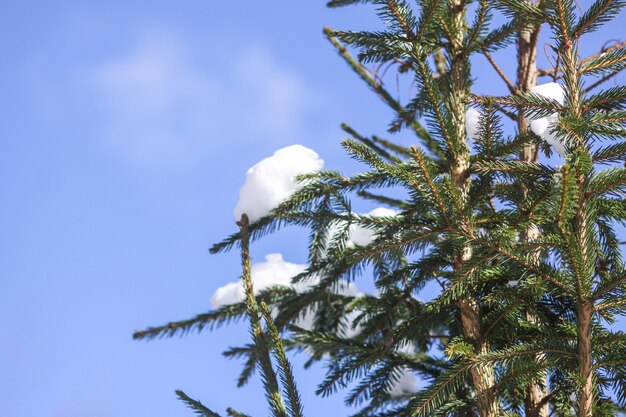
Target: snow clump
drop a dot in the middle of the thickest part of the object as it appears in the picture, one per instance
(404, 386)
(274, 271)
(362, 236)
(272, 180)
(544, 126)
(472, 122)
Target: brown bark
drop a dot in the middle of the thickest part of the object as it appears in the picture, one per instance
(584, 312)
(536, 401)
(527, 73)
(483, 377)
(584, 306)
(585, 400)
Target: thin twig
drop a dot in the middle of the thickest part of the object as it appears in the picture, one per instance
(501, 73)
(415, 125)
(585, 60)
(602, 80)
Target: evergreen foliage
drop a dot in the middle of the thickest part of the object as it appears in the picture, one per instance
(527, 256)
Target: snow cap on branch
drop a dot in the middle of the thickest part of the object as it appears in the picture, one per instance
(544, 126)
(362, 236)
(273, 271)
(472, 122)
(405, 386)
(272, 180)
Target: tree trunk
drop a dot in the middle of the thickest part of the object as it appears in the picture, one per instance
(483, 377)
(536, 393)
(585, 400)
(585, 309)
(584, 306)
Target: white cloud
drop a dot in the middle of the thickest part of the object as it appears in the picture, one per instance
(272, 180)
(159, 104)
(278, 98)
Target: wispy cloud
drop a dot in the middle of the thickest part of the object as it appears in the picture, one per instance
(160, 105)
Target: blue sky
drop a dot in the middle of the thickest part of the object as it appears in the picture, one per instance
(127, 128)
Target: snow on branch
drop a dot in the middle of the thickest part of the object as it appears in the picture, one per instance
(272, 180)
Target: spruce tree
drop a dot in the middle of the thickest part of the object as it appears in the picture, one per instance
(526, 254)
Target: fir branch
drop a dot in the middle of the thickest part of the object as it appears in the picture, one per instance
(294, 406)
(234, 413)
(431, 185)
(426, 403)
(576, 258)
(211, 320)
(563, 21)
(270, 383)
(377, 47)
(603, 80)
(522, 262)
(516, 167)
(564, 193)
(195, 405)
(607, 287)
(400, 12)
(256, 230)
(500, 37)
(611, 99)
(483, 16)
(249, 354)
(599, 13)
(431, 11)
(342, 3)
(380, 151)
(606, 63)
(516, 8)
(459, 287)
(583, 62)
(419, 130)
(373, 250)
(398, 149)
(535, 106)
(434, 100)
(609, 180)
(393, 202)
(610, 154)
